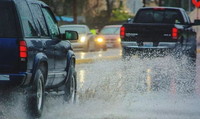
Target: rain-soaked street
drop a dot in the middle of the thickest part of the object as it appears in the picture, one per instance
(113, 89)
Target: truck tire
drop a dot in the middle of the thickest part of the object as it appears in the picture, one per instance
(35, 95)
(70, 87)
(192, 70)
(125, 54)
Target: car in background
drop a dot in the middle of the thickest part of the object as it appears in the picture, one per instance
(111, 35)
(86, 41)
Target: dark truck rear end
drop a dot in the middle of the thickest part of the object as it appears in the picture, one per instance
(154, 33)
(159, 30)
(8, 38)
(9, 44)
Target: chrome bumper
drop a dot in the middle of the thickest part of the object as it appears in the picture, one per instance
(161, 45)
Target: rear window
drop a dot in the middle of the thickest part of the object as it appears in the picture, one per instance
(7, 21)
(26, 19)
(159, 16)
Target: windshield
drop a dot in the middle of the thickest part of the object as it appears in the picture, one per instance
(110, 30)
(80, 30)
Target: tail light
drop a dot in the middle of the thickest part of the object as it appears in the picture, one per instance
(122, 32)
(22, 50)
(174, 33)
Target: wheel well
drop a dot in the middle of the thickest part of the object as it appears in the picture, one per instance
(182, 38)
(73, 59)
(43, 67)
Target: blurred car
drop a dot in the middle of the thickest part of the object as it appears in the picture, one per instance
(110, 34)
(100, 44)
(86, 41)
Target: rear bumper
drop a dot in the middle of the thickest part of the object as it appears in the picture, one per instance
(79, 46)
(161, 45)
(163, 49)
(21, 79)
(100, 44)
(113, 43)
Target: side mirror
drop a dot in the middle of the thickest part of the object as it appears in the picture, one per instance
(70, 35)
(197, 21)
(129, 20)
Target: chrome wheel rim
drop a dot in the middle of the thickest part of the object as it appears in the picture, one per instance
(39, 94)
(72, 89)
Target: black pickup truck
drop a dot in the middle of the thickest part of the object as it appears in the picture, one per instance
(159, 31)
(34, 55)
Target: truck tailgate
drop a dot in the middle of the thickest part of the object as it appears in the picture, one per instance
(141, 32)
(9, 55)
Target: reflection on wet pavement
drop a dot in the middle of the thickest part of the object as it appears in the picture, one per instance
(99, 54)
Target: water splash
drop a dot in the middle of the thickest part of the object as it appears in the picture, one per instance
(139, 88)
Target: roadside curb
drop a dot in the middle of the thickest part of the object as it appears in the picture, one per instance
(92, 60)
(198, 50)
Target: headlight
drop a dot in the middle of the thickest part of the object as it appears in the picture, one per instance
(82, 39)
(100, 40)
(119, 39)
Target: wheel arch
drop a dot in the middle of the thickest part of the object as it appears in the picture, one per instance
(70, 57)
(40, 62)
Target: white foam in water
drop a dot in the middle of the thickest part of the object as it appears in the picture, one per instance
(144, 89)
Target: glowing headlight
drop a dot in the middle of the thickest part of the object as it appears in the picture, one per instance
(119, 39)
(100, 40)
(82, 39)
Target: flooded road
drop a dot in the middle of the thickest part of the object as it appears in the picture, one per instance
(136, 89)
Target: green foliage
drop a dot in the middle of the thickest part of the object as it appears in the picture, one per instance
(119, 15)
(65, 7)
(178, 3)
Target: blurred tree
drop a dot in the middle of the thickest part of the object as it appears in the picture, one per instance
(103, 12)
(96, 15)
(97, 12)
(60, 7)
(178, 3)
(119, 15)
(65, 7)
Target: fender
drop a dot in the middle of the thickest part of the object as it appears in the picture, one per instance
(70, 55)
(40, 57)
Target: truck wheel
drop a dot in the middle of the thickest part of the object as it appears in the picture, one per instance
(70, 87)
(35, 95)
(190, 67)
(125, 54)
